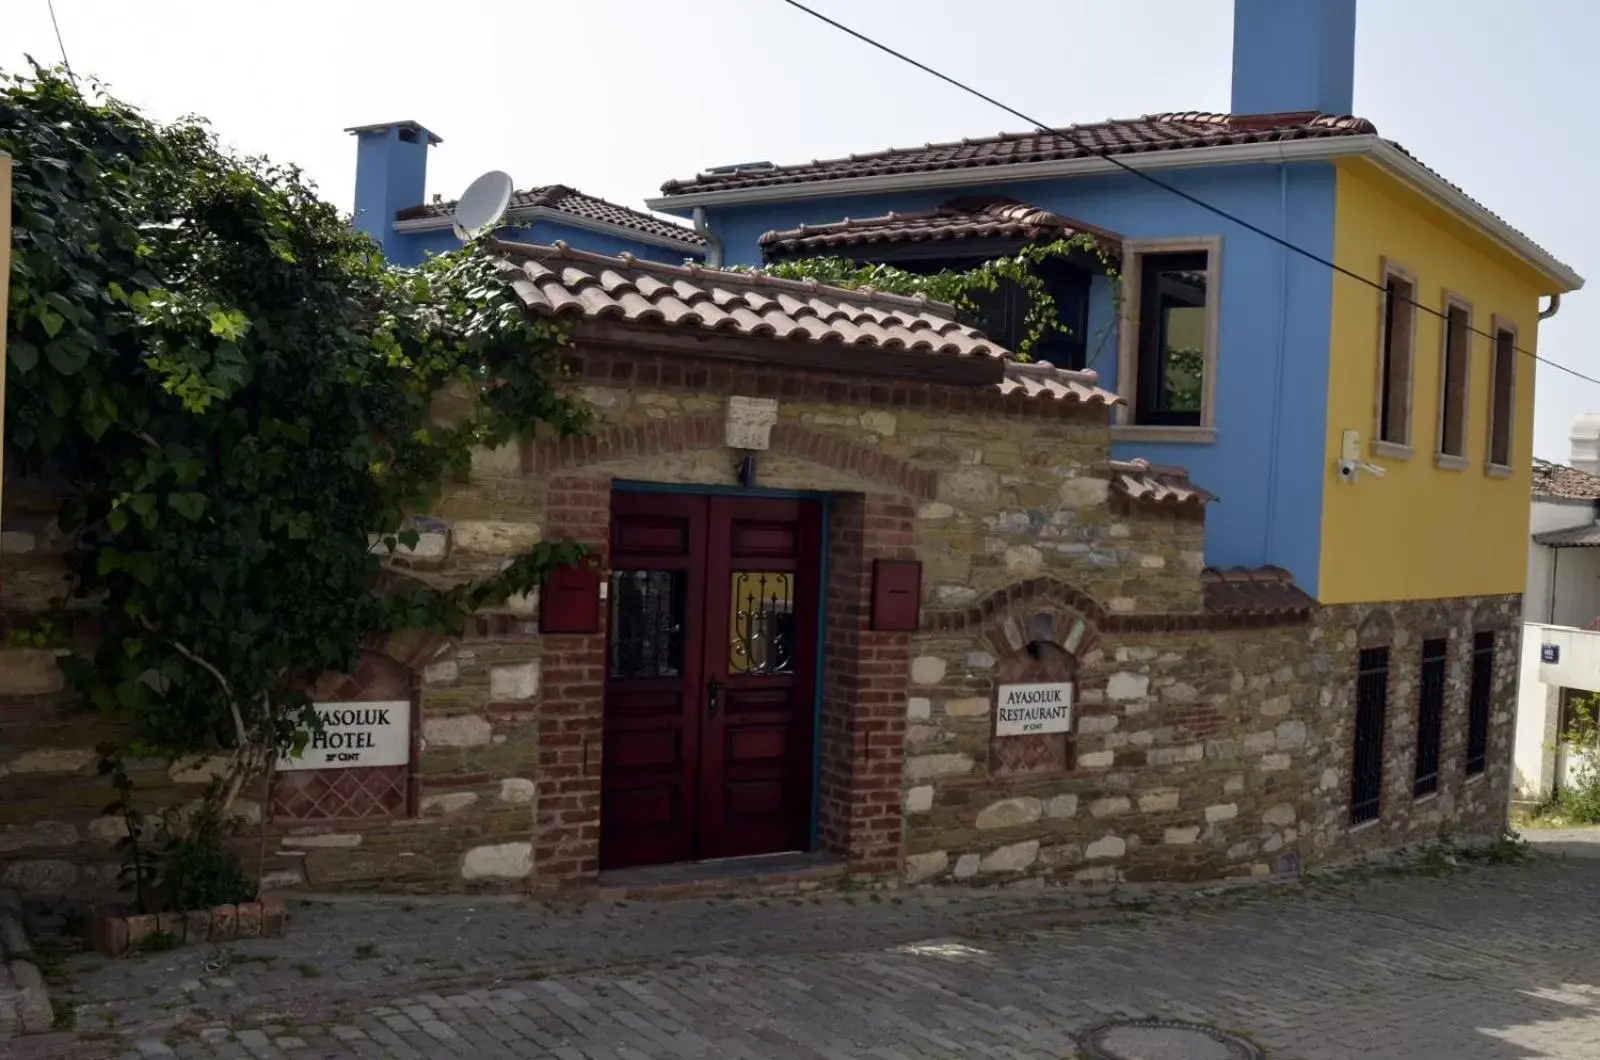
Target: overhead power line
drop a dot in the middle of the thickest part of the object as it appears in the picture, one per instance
(51, 4)
(1107, 156)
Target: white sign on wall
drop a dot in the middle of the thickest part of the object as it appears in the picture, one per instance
(1024, 710)
(357, 734)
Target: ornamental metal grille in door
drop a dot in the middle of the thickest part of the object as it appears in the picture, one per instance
(1478, 702)
(1372, 702)
(1430, 718)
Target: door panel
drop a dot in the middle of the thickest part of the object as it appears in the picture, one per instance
(710, 686)
(650, 761)
(762, 594)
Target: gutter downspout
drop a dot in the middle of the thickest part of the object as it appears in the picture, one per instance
(1277, 362)
(1552, 309)
(713, 244)
(1555, 565)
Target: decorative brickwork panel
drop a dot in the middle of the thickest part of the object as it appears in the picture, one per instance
(340, 794)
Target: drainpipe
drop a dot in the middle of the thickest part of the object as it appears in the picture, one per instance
(1277, 364)
(1552, 309)
(713, 244)
(1555, 565)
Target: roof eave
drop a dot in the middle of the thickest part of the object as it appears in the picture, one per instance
(547, 213)
(1317, 149)
(1403, 167)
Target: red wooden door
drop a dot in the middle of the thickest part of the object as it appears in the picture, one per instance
(711, 665)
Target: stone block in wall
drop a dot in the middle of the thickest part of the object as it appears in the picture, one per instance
(30, 672)
(501, 861)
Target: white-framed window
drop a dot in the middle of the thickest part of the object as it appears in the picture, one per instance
(1167, 349)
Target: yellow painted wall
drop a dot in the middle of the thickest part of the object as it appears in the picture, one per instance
(1422, 532)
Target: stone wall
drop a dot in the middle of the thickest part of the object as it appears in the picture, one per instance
(1198, 755)
(1205, 746)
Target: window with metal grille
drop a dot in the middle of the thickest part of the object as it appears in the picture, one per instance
(1372, 702)
(1478, 702)
(1430, 718)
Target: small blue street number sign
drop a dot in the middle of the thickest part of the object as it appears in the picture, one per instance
(1550, 653)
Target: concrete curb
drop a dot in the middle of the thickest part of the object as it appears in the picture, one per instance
(24, 1001)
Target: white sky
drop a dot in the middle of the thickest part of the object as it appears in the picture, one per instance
(615, 96)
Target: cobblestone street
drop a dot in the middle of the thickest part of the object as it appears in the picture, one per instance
(1479, 963)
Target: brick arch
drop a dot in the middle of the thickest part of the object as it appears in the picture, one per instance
(1486, 617)
(666, 437)
(1376, 630)
(1038, 609)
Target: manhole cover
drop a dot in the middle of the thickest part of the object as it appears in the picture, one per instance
(1162, 1040)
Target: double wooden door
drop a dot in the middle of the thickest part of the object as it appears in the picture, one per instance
(711, 677)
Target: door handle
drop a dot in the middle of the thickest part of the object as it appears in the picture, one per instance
(711, 699)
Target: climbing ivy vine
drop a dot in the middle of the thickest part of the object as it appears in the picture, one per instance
(957, 287)
(232, 392)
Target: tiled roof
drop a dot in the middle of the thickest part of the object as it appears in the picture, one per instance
(1153, 132)
(1564, 483)
(1586, 536)
(1265, 591)
(1140, 480)
(567, 200)
(562, 281)
(1041, 379)
(963, 218)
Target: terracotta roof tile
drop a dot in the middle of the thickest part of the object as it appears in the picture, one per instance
(1140, 480)
(1153, 132)
(1041, 379)
(1253, 591)
(567, 200)
(562, 281)
(963, 218)
(1563, 482)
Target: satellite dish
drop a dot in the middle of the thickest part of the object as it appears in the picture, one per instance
(481, 205)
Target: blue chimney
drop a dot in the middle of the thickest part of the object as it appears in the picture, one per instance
(391, 174)
(1293, 55)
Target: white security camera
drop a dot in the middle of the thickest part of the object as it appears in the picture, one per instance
(1347, 471)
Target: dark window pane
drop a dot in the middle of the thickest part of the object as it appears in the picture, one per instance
(1453, 423)
(1500, 411)
(1372, 702)
(1430, 718)
(647, 623)
(1172, 339)
(1394, 394)
(1478, 702)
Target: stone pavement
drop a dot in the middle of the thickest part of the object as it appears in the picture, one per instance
(1479, 962)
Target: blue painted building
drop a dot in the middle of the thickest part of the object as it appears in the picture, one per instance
(391, 175)
(1218, 338)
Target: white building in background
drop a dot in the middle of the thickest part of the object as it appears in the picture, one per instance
(1560, 609)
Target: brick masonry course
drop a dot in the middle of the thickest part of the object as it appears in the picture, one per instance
(1205, 746)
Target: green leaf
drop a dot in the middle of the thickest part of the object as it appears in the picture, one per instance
(110, 560)
(23, 355)
(188, 505)
(52, 322)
